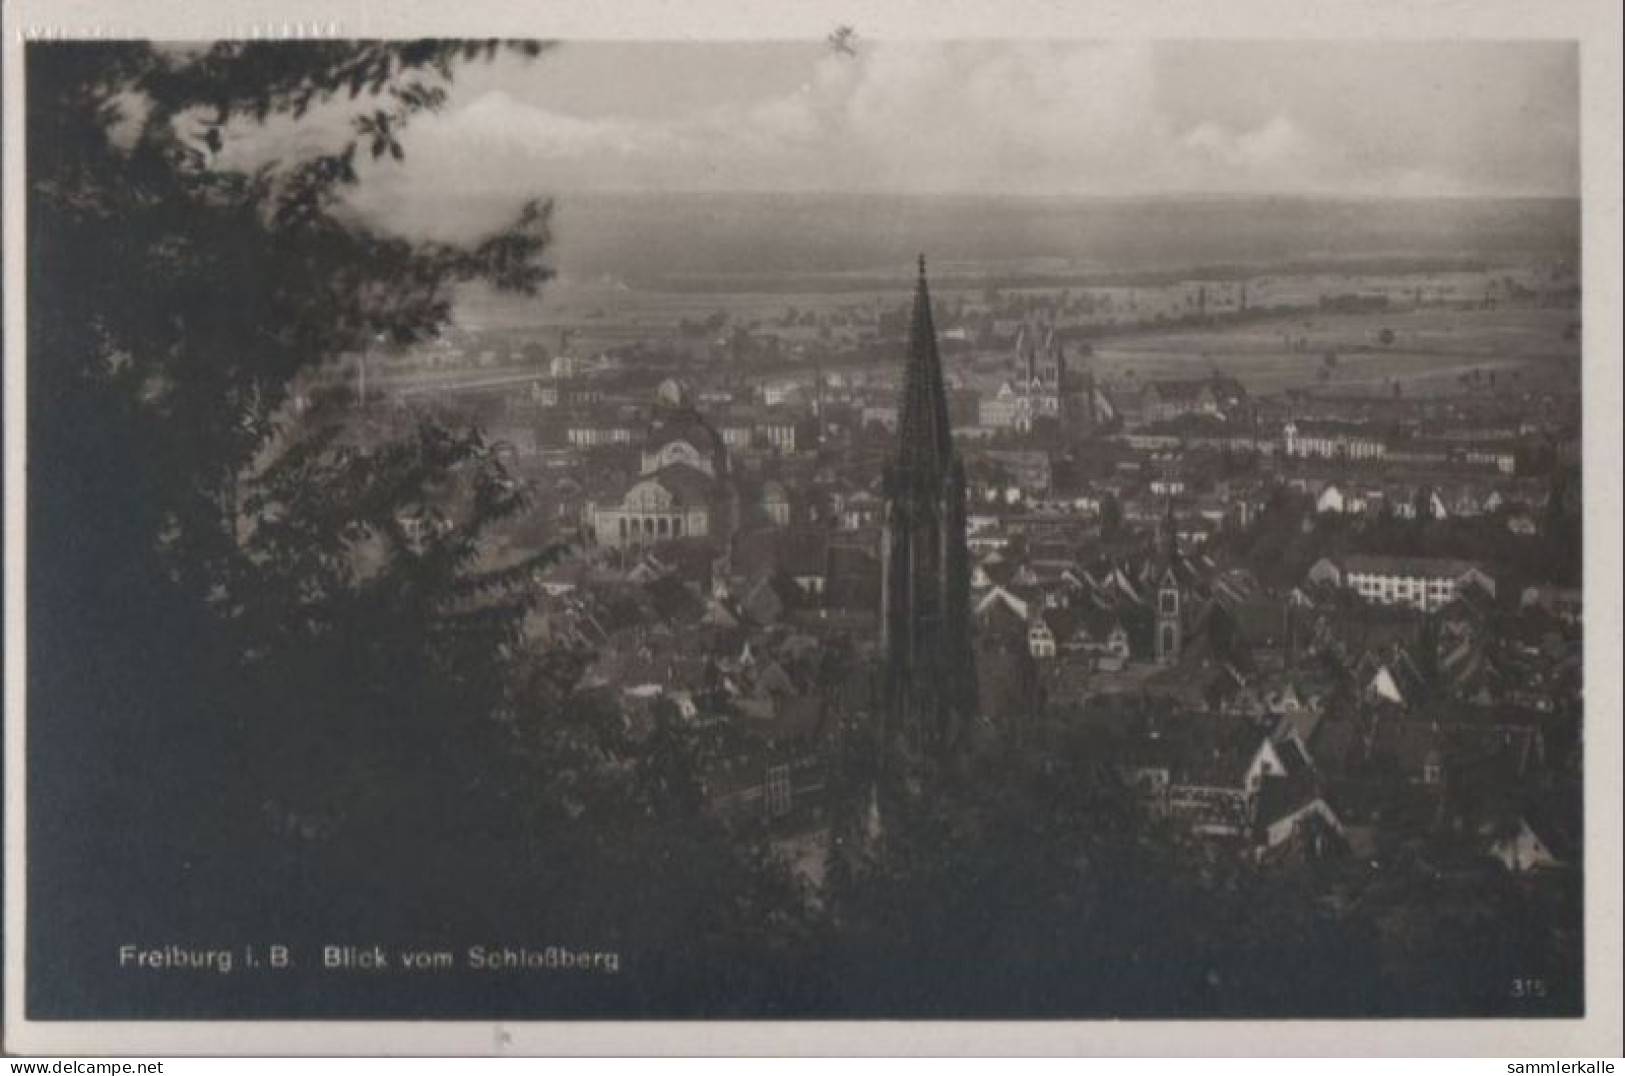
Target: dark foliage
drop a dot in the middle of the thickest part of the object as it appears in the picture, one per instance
(268, 648)
(1034, 885)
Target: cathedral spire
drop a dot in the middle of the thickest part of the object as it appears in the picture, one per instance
(929, 668)
(926, 440)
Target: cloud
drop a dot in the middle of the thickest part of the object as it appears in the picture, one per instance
(986, 117)
(922, 117)
(1277, 148)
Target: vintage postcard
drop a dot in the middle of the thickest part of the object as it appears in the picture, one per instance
(834, 528)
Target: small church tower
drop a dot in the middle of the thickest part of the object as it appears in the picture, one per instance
(1086, 417)
(1170, 622)
(1169, 626)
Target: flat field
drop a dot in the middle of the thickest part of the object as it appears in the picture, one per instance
(1430, 351)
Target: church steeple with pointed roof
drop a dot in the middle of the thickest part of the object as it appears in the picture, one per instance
(929, 671)
(1170, 629)
(924, 437)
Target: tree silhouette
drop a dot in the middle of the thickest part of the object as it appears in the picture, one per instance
(260, 628)
(268, 632)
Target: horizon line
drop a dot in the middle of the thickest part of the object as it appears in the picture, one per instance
(1168, 196)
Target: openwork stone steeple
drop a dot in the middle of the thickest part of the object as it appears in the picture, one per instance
(929, 670)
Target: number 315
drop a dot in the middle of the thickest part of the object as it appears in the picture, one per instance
(1529, 988)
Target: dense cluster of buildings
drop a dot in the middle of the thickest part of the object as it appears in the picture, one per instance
(1207, 578)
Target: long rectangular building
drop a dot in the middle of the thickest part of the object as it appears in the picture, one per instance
(1425, 583)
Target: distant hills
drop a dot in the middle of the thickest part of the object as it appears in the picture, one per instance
(772, 242)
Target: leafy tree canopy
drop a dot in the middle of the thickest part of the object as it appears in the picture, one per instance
(284, 619)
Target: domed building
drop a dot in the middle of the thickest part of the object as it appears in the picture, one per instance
(680, 435)
(683, 489)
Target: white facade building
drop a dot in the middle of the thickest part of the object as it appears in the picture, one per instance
(1424, 583)
(1333, 442)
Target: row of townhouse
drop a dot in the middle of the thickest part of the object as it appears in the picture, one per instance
(1444, 499)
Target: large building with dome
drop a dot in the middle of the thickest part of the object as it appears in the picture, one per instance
(683, 489)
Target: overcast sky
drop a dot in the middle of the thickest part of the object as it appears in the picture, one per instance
(1351, 118)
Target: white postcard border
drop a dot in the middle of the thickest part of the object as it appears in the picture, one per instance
(1595, 23)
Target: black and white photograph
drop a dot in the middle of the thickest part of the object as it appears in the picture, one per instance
(834, 525)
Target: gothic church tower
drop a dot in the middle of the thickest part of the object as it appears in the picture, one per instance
(929, 675)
